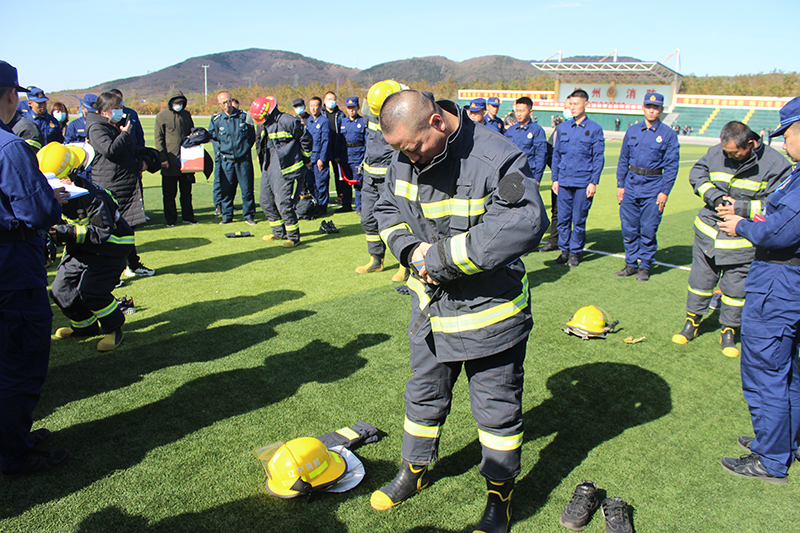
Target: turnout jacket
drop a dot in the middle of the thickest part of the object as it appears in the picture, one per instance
(748, 182)
(478, 204)
(94, 227)
(378, 153)
(284, 138)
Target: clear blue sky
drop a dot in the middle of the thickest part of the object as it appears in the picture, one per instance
(80, 43)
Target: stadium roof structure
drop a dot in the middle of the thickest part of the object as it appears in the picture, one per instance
(622, 72)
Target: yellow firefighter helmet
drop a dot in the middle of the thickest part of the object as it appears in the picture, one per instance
(379, 92)
(302, 465)
(590, 321)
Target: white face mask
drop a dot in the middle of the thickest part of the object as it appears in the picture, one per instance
(177, 107)
(59, 116)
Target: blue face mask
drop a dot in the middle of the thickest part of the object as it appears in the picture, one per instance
(116, 115)
(330, 104)
(59, 116)
(177, 107)
(299, 110)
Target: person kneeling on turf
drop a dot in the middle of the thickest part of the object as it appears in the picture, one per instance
(98, 241)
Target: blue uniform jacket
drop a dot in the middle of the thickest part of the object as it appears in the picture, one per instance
(531, 139)
(578, 153)
(232, 135)
(353, 131)
(650, 148)
(48, 125)
(26, 200)
(320, 131)
(496, 123)
(76, 131)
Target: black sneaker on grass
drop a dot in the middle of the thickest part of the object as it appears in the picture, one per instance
(616, 512)
(745, 441)
(37, 461)
(581, 507)
(750, 466)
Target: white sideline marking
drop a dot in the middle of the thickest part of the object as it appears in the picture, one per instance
(670, 265)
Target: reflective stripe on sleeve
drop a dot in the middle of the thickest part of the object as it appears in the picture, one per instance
(458, 249)
(721, 244)
(460, 207)
(80, 234)
(405, 190)
(385, 234)
(113, 239)
(375, 171)
(296, 166)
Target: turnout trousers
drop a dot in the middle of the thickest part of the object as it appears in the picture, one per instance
(704, 277)
(25, 323)
(640, 218)
(371, 190)
(277, 203)
(495, 391)
(573, 208)
(230, 174)
(770, 379)
(83, 292)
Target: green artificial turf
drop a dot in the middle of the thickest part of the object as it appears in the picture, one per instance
(238, 343)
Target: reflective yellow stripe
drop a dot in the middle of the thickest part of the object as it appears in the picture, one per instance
(296, 166)
(374, 126)
(733, 302)
(275, 223)
(107, 310)
(385, 234)
(460, 207)
(458, 249)
(482, 319)
(375, 171)
(113, 239)
(502, 444)
(280, 135)
(405, 190)
(347, 433)
(721, 244)
(748, 185)
(85, 323)
(292, 227)
(419, 289)
(373, 238)
(34, 144)
(307, 154)
(755, 208)
(418, 430)
(723, 177)
(700, 292)
(80, 234)
(704, 187)
(318, 470)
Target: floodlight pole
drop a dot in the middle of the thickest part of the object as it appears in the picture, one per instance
(205, 73)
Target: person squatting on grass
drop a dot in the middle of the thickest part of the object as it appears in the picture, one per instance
(461, 206)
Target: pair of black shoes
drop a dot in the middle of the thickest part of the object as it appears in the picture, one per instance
(641, 273)
(572, 260)
(38, 460)
(328, 227)
(584, 503)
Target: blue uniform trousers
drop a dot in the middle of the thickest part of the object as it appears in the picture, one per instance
(573, 208)
(495, 391)
(371, 190)
(277, 203)
(640, 218)
(770, 378)
(321, 185)
(25, 323)
(230, 173)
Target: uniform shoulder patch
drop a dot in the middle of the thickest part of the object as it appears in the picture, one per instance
(511, 187)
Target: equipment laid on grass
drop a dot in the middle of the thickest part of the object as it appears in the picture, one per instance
(239, 234)
(589, 322)
(300, 467)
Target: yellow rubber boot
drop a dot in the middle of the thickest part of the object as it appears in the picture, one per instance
(410, 480)
(401, 274)
(110, 341)
(375, 265)
(728, 343)
(689, 330)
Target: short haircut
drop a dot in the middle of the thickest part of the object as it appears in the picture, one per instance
(412, 109)
(106, 101)
(580, 93)
(330, 92)
(117, 92)
(524, 100)
(317, 98)
(737, 132)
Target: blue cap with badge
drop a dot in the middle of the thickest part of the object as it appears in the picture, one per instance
(35, 94)
(478, 104)
(8, 77)
(790, 113)
(89, 101)
(654, 99)
(493, 101)
(352, 101)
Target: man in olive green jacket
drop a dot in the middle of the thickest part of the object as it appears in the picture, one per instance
(173, 125)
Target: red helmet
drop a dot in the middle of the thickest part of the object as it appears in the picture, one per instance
(262, 107)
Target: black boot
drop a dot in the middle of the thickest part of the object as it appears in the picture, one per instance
(497, 514)
(410, 480)
(727, 342)
(689, 330)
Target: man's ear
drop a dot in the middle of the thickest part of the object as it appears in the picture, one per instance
(437, 122)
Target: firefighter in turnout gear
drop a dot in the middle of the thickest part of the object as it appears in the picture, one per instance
(461, 206)
(98, 241)
(734, 177)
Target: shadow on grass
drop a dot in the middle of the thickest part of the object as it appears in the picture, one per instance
(590, 405)
(179, 336)
(175, 244)
(102, 447)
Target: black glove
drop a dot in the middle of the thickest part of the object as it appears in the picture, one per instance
(352, 437)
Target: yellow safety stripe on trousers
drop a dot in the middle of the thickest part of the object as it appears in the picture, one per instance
(721, 244)
(704, 187)
(385, 234)
(375, 171)
(405, 190)
(458, 249)
(460, 207)
(373, 238)
(107, 310)
(293, 227)
(296, 166)
(418, 430)
(347, 433)
(85, 324)
(113, 239)
(280, 135)
(416, 285)
(700, 292)
(80, 234)
(733, 302)
(755, 208)
(307, 154)
(275, 223)
(501, 444)
(482, 319)
(737, 183)
(374, 126)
